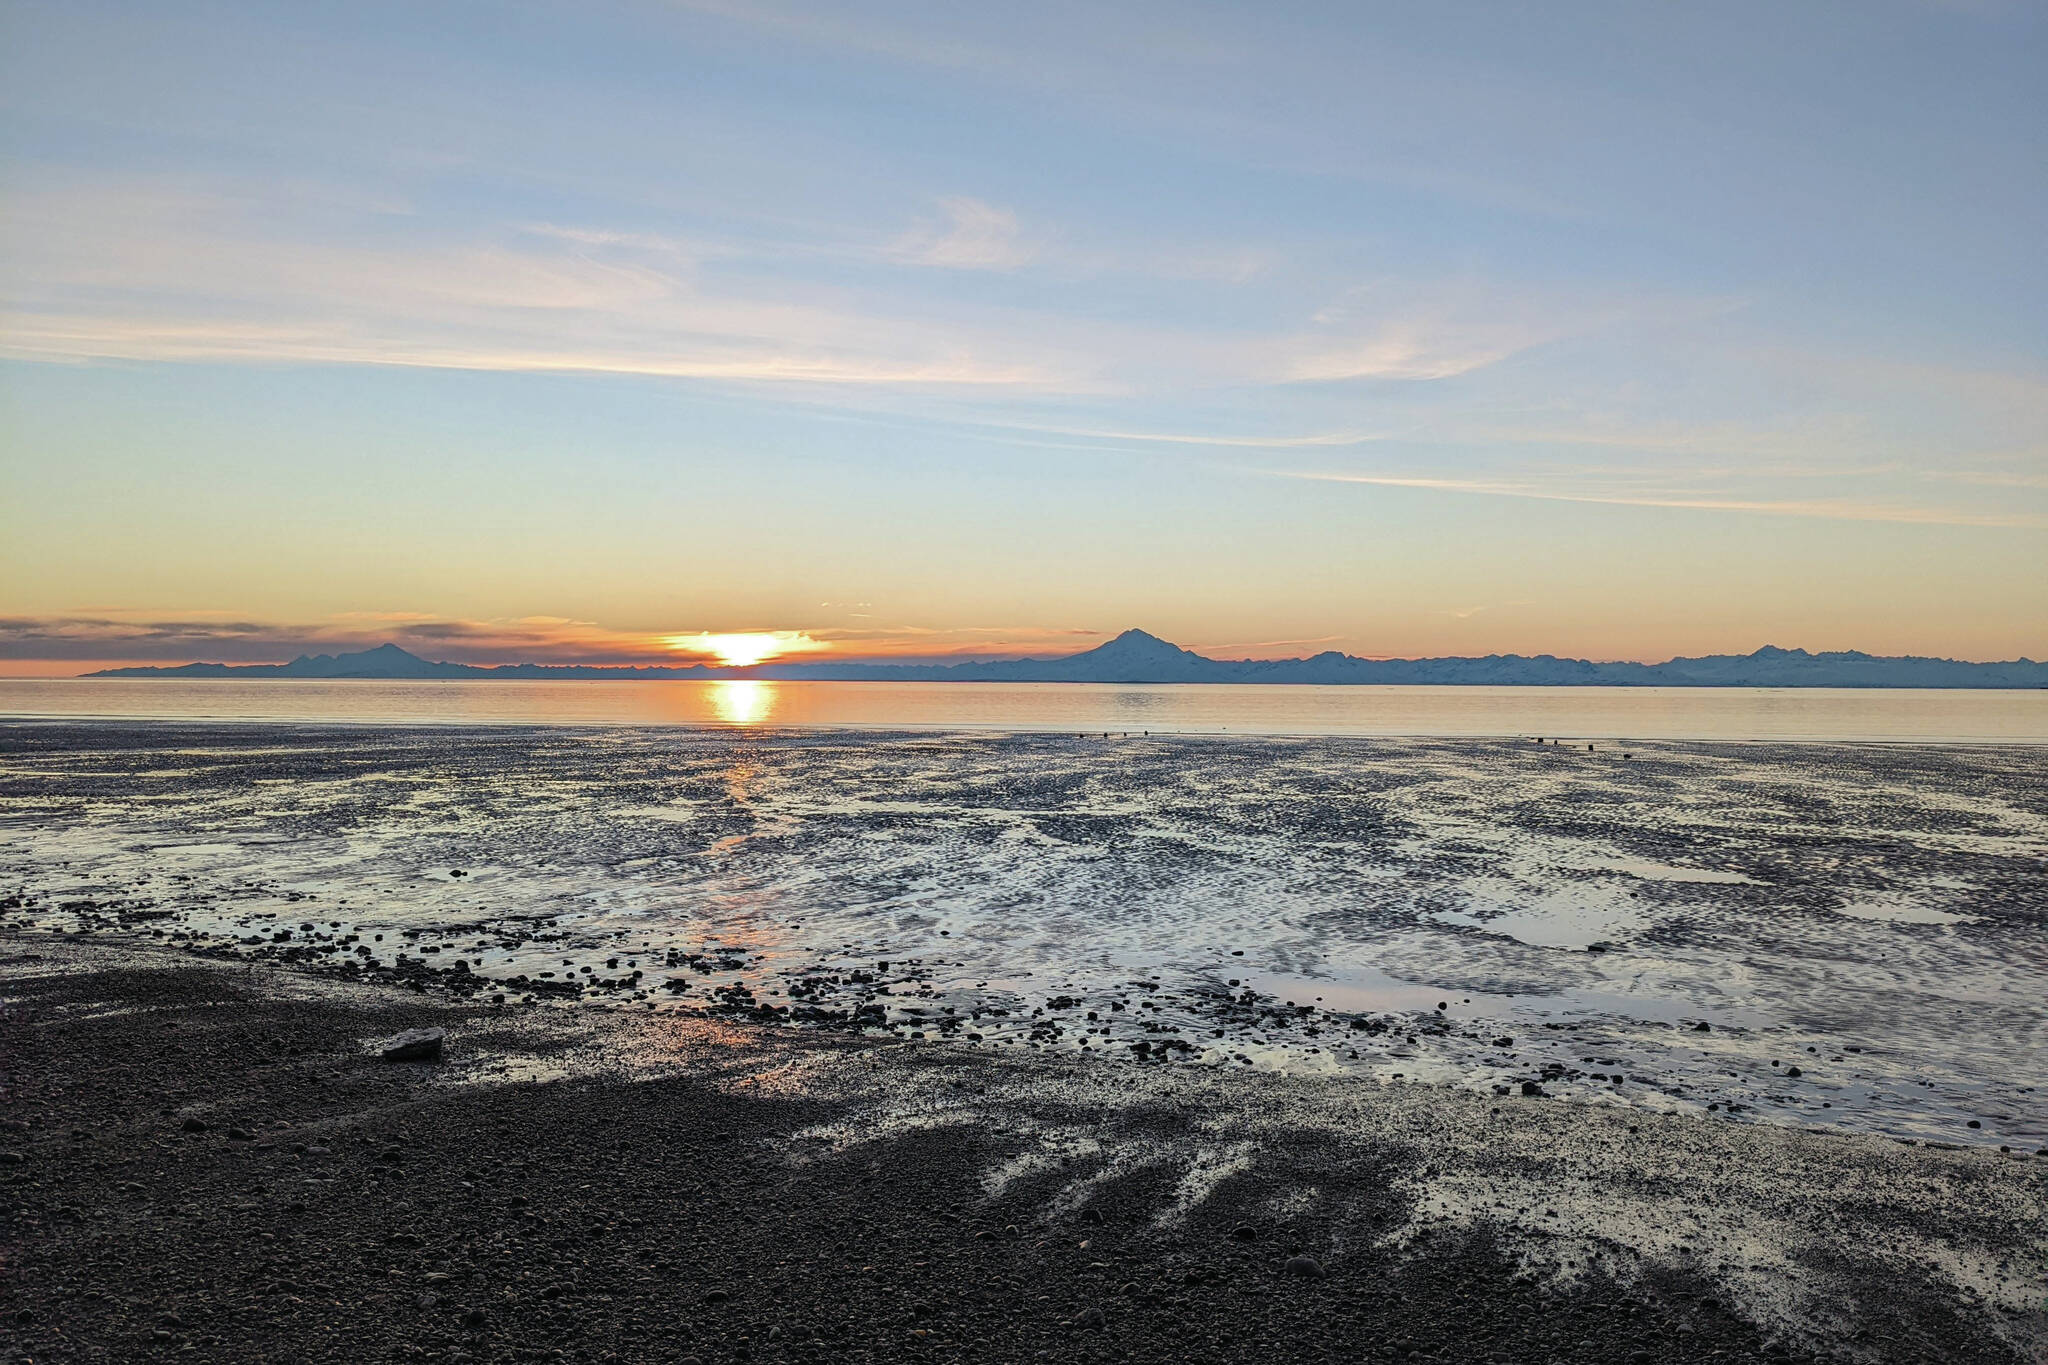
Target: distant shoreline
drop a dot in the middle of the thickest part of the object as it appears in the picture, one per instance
(719, 675)
(1136, 658)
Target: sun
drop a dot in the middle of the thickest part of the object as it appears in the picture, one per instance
(742, 649)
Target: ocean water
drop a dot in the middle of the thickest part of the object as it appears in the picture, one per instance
(1734, 713)
(1671, 925)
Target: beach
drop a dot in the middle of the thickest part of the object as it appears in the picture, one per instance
(1849, 936)
(873, 1046)
(209, 1160)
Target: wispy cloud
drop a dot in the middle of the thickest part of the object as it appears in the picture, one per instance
(1821, 508)
(971, 234)
(148, 271)
(1989, 478)
(141, 272)
(219, 637)
(1252, 648)
(1408, 350)
(1467, 613)
(1417, 330)
(1251, 442)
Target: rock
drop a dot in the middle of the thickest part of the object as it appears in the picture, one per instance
(192, 1126)
(1089, 1317)
(1245, 1233)
(475, 1317)
(413, 1045)
(1703, 1027)
(1532, 1088)
(1305, 1267)
(240, 1135)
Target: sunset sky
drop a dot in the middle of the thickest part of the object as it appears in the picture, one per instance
(585, 331)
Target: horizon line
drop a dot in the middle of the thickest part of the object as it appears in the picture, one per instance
(811, 663)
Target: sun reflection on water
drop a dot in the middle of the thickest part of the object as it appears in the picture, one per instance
(742, 701)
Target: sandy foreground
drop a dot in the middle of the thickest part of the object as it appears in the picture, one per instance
(208, 1161)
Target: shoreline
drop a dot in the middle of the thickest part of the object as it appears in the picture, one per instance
(568, 1184)
(1025, 730)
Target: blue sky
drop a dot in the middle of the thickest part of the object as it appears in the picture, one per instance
(541, 329)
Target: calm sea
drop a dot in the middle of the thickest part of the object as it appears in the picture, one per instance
(1579, 712)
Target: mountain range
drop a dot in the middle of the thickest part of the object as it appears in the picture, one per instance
(1137, 657)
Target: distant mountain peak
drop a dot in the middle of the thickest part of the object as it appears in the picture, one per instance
(387, 650)
(1139, 643)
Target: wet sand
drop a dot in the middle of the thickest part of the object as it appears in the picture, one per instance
(1850, 936)
(207, 1160)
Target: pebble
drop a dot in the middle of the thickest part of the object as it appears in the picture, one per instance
(1305, 1267)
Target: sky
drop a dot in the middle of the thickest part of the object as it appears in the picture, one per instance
(590, 331)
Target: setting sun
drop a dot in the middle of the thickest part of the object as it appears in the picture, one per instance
(744, 648)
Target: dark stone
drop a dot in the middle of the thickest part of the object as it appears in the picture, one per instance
(1089, 1317)
(193, 1126)
(1532, 1088)
(1305, 1267)
(413, 1045)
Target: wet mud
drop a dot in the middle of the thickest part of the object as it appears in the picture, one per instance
(1844, 936)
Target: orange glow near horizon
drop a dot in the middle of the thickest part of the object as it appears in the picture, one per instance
(742, 649)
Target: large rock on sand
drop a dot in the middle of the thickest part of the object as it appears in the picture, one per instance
(414, 1045)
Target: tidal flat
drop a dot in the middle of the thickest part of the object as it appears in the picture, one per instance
(788, 1045)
